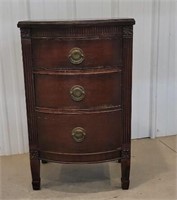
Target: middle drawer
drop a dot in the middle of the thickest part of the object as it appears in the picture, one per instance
(78, 90)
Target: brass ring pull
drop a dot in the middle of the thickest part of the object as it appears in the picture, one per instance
(76, 56)
(78, 134)
(77, 93)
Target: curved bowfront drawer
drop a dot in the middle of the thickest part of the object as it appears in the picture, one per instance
(95, 132)
(84, 90)
(53, 53)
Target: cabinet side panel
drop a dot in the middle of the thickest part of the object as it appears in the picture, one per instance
(127, 85)
(29, 88)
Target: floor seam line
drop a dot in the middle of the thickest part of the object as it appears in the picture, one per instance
(167, 146)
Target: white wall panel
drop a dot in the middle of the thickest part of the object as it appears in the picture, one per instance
(166, 122)
(13, 114)
(91, 9)
(142, 12)
(154, 65)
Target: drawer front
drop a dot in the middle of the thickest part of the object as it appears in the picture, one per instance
(83, 91)
(73, 54)
(79, 133)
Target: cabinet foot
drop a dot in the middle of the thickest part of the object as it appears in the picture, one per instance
(125, 184)
(36, 185)
(35, 169)
(125, 168)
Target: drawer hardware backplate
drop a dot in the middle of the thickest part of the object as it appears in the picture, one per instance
(76, 56)
(77, 93)
(78, 134)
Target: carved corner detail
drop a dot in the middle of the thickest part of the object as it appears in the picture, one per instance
(34, 154)
(128, 32)
(125, 153)
(25, 33)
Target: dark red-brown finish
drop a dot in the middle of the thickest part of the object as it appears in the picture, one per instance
(101, 89)
(55, 132)
(52, 54)
(105, 74)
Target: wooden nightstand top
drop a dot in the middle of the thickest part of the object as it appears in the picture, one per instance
(33, 24)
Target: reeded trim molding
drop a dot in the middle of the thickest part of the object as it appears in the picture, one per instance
(77, 32)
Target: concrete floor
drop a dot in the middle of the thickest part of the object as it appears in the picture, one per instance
(153, 176)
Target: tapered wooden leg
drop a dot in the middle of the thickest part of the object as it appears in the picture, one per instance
(125, 169)
(35, 170)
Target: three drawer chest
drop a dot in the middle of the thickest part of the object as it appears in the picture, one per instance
(78, 77)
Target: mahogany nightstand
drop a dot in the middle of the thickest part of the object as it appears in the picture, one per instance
(78, 77)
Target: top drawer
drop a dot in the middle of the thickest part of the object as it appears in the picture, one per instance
(55, 53)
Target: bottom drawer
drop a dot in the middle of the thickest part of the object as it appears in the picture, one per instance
(79, 133)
